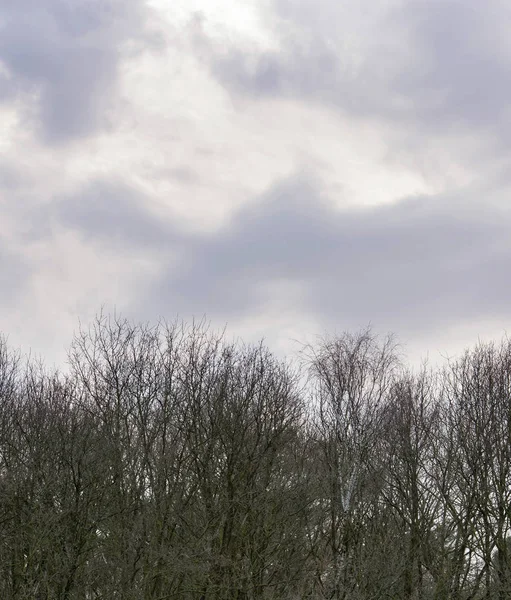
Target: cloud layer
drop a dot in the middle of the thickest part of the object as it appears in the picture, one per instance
(267, 165)
(432, 65)
(409, 266)
(61, 60)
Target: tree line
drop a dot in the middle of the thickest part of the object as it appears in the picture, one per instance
(168, 462)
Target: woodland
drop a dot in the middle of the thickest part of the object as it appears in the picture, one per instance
(170, 462)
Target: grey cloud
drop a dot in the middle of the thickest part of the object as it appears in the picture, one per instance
(10, 177)
(14, 276)
(67, 54)
(462, 71)
(305, 72)
(413, 265)
(112, 214)
(434, 66)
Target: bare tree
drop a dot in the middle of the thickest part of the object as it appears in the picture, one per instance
(351, 377)
(172, 463)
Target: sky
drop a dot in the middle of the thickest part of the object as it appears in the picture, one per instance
(284, 168)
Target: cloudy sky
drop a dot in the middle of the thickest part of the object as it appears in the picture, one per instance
(285, 167)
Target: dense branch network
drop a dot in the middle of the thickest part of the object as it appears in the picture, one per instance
(170, 463)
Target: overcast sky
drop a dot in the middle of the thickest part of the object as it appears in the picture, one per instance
(285, 167)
